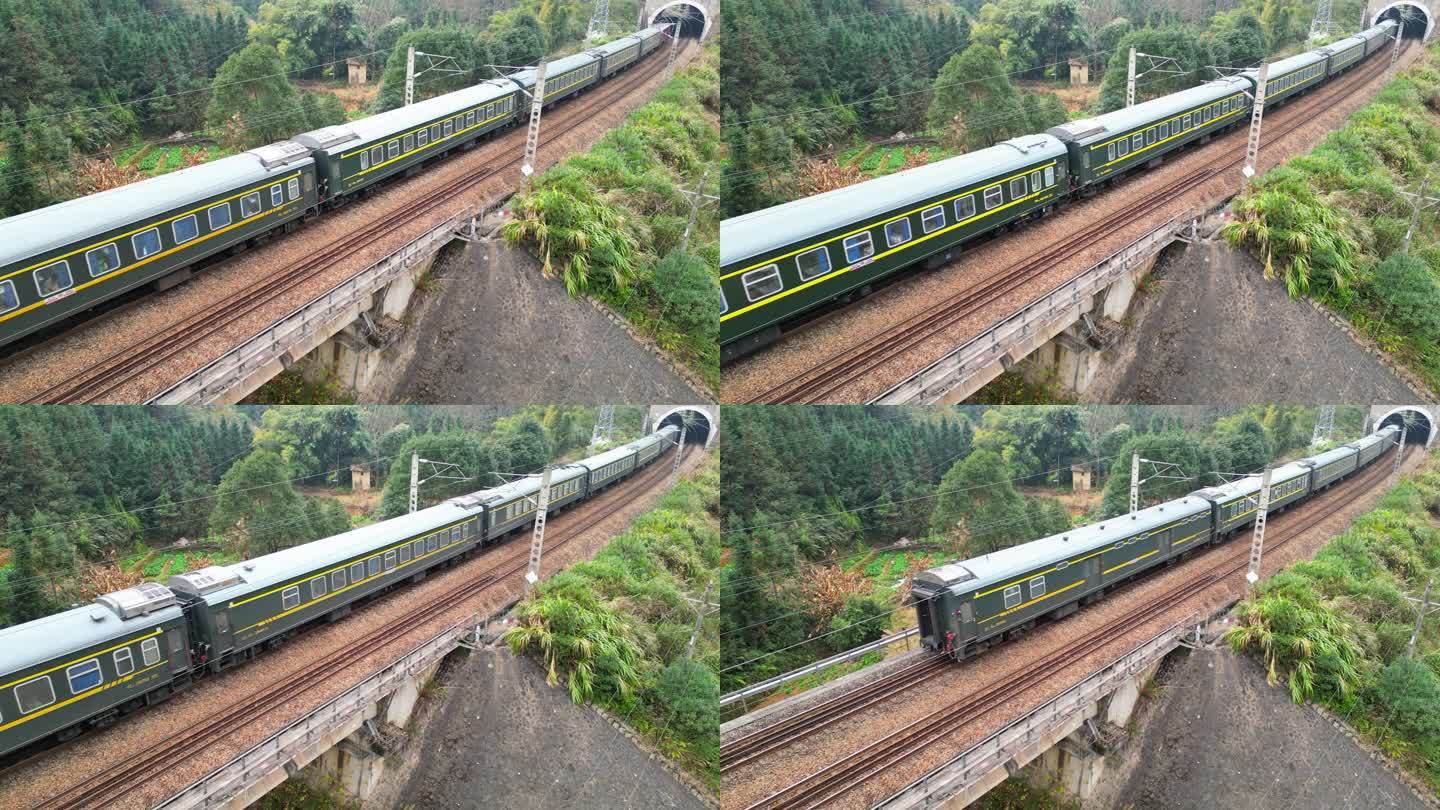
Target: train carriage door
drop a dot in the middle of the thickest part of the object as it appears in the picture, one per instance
(179, 649)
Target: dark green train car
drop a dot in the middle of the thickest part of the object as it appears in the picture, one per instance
(66, 258)
(1236, 503)
(1108, 145)
(610, 467)
(87, 666)
(1331, 466)
(965, 607)
(563, 77)
(617, 55)
(353, 156)
(780, 262)
(513, 505)
(236, 609)
(1290, 77)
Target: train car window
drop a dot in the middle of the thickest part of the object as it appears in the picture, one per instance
(357, 572)
(389, 560)
(377, 155)
(1185, 122)
(150, 652)
(1109, 152)
(84, 676)
(1150, 136)
(449, 127)
(422, 137)
(393, 149)
(897, 232)
(993, 197)
(337, 580)
(1036, 181)
(1049, 176)
(724, 305)
(1037, 587)
(1017, 188)
(417, 548)
(364, 160)
(277, 195)
(858, 247)
(124, 662)
(1012, 596)
(290, 597)
(454, 534)
(932, 219)
(185, 229)
(8, 299)
(293, 187)
(1122, 148)
(432, 543)
(435, 133)
(54, 278)
(219, 216)
(34, 695)
(761, 283)
(1137, 141)
(1164, 130)
(409, 143)
(470, 119)
(964, 208)
(405, 553)
(250, 205)
(102, 260)
(373, 566)
(318, 587)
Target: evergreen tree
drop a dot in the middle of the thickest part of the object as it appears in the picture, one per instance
(252, 101)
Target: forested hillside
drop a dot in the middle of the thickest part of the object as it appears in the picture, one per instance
(828, 511)
(89, 89)
(804, 81)
(99, 498)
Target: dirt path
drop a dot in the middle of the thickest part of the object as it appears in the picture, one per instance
(1217, 331)
(1222, 737)
(494, 310)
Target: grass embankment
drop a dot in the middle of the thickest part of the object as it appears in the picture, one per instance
(610, 221)
(615, 630)
(1332, 223)
(1335, 630)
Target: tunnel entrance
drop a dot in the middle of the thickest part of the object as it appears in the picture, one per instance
(1419, 428)
(696, 422)
(689, 17)
(1414, 18)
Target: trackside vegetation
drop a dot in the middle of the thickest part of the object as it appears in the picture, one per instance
(615, 630)
(1334, 630)
(1331, 224)
(610, 222)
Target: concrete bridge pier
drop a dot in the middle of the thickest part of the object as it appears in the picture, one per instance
(356, 356)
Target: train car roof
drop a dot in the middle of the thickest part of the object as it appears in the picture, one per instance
(769, 229)
(1348, 42)
(1382, 29)
(999, 566)
(1329, 456)
(529, 485)
(1086, 131)
(645, 441)
(649, 33)
(526, 77)
(615, 46)
(1250, 484)
(1286, 65)
(609, 456)
(223, 583)
(1366, 441)
(403, 119)
(24, 236)
(668, 429)
(23, 646)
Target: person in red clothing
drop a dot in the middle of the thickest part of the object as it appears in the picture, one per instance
(949, 640)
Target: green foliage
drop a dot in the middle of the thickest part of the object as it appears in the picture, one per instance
(310, 33)
(1408, 693)
(470, 56)
(256, 500)
(976, 112)
(252, 101)
(315, 440)
(1304, 642)
(689, 693)
(1185, 450)
(687, 286)
(864, 618)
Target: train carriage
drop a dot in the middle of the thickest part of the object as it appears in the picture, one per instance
(1344, 54)
(779, 262)
(1330, 466)
(563, 77)
(1379, 36)
(609, 467)
(651, 38)
(1373, 446)
(1235, 503)
(617, 55)
(1290, 77)
(355, 155)
(65, 258)
(512, 505)
(966, 605)
(1108, 145)
(648, 448)
(88, 665)
(235, 609)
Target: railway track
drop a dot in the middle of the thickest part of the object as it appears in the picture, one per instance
(823, 787)
(130, 363)
(122, 779)
(863, 359)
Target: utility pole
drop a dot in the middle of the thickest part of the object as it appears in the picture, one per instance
(537, 540)
(600, 20)
(1400, 448)
(700, 608)
(1252, 150)
(1155, 67)
(1320, 26)
(441, 467)
(1134, 479)
(640, 23)
(1421, 609)
(1395, 51)
(1324, 425)
(697, 197)
(679, 448)
(1257, 543)
(1364, 15)
(1130, 89)
(1418, 202)
(437, 64)
(675, 44)
(532, 137)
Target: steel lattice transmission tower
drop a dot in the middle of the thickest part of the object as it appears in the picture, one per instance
(604, 425)
(1324, 425)
(1320, 26)
(600, 20)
